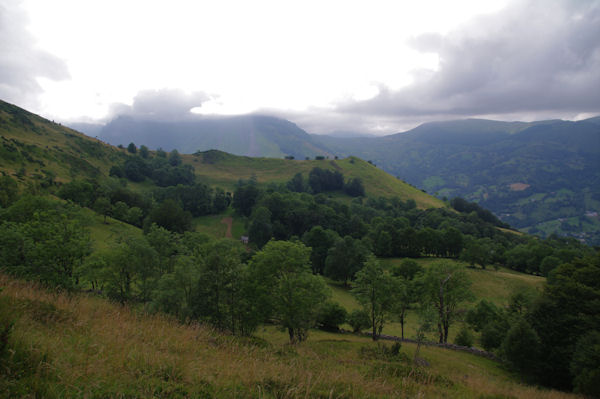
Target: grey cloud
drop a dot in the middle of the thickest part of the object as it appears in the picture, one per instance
(21, 63)
(534, 56)
(163, 104)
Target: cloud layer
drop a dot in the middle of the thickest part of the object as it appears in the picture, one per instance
(21, 63)
(163, 104)
(533, 59)
(533, 56)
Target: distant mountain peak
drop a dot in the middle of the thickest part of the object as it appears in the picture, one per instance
(251, 135)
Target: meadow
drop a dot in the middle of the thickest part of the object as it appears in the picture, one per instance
(77, 345)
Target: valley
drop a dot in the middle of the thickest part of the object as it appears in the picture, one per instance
(118, 278)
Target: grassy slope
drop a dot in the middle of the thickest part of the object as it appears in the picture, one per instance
(495, 286)
(105, 235)
(81, 346)
(226, 169)
(36, 146)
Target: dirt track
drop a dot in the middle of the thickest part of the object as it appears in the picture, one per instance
(228, 221)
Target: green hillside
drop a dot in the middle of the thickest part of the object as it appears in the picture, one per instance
(221, 169)
(39, 151)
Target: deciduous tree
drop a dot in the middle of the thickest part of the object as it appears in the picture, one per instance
(373, 289)
(288, 288)
(446, 287)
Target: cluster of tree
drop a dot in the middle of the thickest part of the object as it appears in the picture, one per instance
(465, 206)
(198, 199)
(324, 180)
(552, 338)
(320, 180)
(193, 277)
(171, 207)
(389, 228)
(188, 275)
(43, 240)
(163, 170)
(441, 290)
(9, 191)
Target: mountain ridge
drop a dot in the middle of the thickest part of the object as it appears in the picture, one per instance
(249, 135)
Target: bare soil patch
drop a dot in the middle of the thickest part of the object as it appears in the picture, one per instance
(519, 186)
(227, 221)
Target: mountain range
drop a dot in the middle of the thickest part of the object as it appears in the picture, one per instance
(541, 177)
(249, 135)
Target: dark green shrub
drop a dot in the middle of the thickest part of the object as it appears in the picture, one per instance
(585, 365)
(359, 320)
(493, 334)
(521, 346)
(464, 337)
(331, 316)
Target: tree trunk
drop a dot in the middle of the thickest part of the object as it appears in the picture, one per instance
(402, 324)
(374, 325)
(446, 326)
(373, 321)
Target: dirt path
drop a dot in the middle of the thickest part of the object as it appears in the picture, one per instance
(228, 221)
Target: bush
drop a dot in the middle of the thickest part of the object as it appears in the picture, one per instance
(359, 320)
(354, 188)
(464, 337)
(492, 335)
(383, 352)
(484, 313)
(331, 315)
(521, 346)
(585, 365)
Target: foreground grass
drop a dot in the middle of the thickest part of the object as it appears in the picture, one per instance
(80, 346)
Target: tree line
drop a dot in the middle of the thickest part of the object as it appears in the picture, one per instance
(390, 227)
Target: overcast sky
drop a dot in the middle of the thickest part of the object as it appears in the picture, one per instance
(364, 66)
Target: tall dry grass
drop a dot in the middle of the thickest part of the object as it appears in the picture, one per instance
(83, 346)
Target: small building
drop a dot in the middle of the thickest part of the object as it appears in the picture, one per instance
(244, 239)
